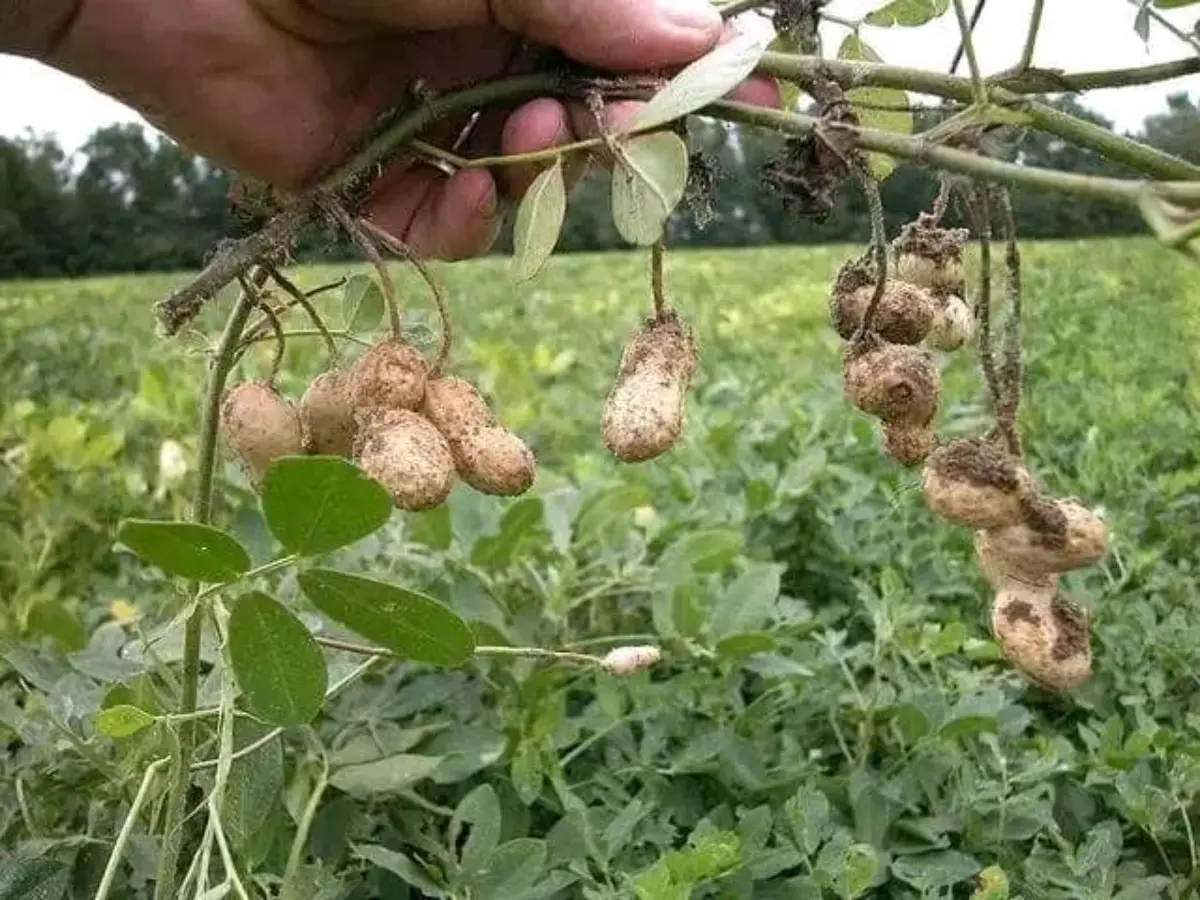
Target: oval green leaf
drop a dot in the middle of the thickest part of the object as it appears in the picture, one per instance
(362, 305)
(539, 222)
(907, 13)
(648, 182)
(709, 78)
(315, 504)
(884, 109)
(198, 552)
(276, 662)
(407, 623)
(122, 721)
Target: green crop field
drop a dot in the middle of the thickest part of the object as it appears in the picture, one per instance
(831, 717)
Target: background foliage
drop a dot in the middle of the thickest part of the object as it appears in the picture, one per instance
(830, 719)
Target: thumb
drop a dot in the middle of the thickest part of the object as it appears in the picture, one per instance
(616, 34)
(610, 34)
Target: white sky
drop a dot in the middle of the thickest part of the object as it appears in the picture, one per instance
(1076, 35)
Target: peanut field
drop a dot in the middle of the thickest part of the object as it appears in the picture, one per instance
(830, 718)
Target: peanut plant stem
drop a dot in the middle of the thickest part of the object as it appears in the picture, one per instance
(851, 74)
(962, 162)
(1035, 25)
(193, 631)
(965, 27)
(656, 280)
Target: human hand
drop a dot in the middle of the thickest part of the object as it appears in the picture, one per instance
(282, 90)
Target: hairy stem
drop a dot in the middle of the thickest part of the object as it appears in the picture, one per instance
(878, 244)
(656, 281)
(404, 252)
(1010, 374)
(961, 162)
(980, 213)
(276, 329)
(1031, 36)
(298, 297)
(852, 73)
(965, 28)
(193, 631)
(135, 809)
(976, 15)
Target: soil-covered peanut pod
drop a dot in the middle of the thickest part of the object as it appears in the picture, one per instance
(909, 444)
(644, 412)
(405, 453)
(1045, 635)
(973, 482)
(930, 256)
(1056, 536)
(953, 323)
(488, 457)
(904, 315)
(390, 375)
(259, 425)
(327, 416)
(999, 569)
(893, 382)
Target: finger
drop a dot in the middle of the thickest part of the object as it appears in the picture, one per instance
(437, 217)
(613, 34)
(759, 90)
(538, 125)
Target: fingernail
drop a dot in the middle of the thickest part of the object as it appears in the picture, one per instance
(697, 15)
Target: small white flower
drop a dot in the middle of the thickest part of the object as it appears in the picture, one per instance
(645, 516)
(627, 660)
(172, 463)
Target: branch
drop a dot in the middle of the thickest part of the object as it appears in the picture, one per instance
(1122, 190)
(193, 630)
(1035, 24)
(852, 74)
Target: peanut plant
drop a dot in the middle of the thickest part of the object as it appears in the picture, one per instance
(390, 428)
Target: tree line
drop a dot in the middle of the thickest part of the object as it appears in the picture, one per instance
(130, 200)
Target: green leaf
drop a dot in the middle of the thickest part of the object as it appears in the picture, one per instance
(859, 867)
(481, 810)
(747, 643)
(277, 663)
(807, 813)
(521, 521)
(362, 305)
(34, 879)
(53, 619)
(400, 866)
(539, 222)
(122, 721)
(648, 181)
(930, 872)
(385, 776)
(884, 109)
(315, 504)
(907, 13)
(407, 623)
(512, 869)
(698, 553)
(748, 602)
(255, 783)
(708, 78)
(1174, 4)
(186, 549)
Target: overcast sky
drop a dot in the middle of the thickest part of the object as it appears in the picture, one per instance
(1076, 35)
